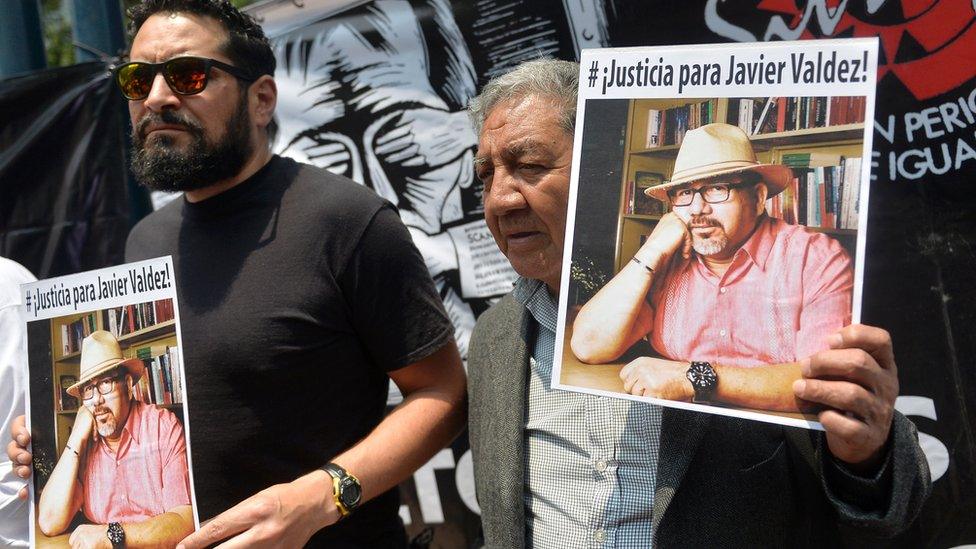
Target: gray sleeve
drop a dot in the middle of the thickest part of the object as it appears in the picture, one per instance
(882, 506)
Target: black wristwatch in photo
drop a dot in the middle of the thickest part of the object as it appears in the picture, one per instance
(346, 489)
(116, 535)
(704, 380)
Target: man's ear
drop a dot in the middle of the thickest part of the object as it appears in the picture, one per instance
(262, 100)
(761, 192)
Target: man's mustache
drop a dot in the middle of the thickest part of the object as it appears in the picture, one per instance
(702, 222)
(166, 117)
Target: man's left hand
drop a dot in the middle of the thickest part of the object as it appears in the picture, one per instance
(284, 515)
(857, 381)
(658, 378)
(90, 536)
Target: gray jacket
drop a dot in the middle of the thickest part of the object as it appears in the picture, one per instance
(721, 482)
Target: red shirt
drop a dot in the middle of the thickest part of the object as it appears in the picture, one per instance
(786, 290)
(146, 477)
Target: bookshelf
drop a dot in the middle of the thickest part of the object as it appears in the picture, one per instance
(821, 134)
(148, 340)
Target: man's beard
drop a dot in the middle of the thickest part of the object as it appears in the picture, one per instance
(106, 428)
(162, 166)
(712, 245)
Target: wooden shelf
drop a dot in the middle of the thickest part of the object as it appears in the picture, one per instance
(767, 141)
(145, 334)
(834, 232)
(74, 357)
(642, 217)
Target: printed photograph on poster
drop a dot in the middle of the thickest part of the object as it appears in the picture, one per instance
(106, 408)
(740, 226)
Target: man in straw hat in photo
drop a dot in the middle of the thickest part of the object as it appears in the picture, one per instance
(732, 299)
(124, 464)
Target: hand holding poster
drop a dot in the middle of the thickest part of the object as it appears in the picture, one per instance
(757, 259)
(107, 408)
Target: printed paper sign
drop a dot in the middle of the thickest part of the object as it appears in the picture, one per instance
(107, 405)
(740, 224)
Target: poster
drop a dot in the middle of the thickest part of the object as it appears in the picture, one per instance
(756, 154)
(106, 406)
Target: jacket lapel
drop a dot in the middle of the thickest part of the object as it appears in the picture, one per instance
(508, 374)
(681, 432)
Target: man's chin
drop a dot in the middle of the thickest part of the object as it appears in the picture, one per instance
(709, 246)
(106, 429)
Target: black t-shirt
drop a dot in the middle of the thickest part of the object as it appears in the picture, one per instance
(298, 290)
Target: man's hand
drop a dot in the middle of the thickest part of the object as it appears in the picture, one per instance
(857, 381)
(658, 378)
(669, 236)
(81, 431)
(17, 452)
(284, 515)
(90, 536)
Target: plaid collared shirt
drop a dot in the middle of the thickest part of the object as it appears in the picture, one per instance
(590, 461)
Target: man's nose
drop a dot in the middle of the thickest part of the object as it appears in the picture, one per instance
(698, 205)
(161, 96)
(504, 195)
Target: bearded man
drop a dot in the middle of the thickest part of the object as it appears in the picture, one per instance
(301, 296)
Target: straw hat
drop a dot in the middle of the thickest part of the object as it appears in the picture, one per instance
(719, 149)
(100, 353)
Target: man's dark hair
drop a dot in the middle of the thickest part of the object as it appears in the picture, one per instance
(247, 47)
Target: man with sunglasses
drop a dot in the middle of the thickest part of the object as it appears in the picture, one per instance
(124, 464)
(301, 297)
(730, 297)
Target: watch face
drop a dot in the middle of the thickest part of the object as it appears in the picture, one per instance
(350, 493)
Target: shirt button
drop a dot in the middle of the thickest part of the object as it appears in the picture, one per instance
(601, 465)
(722, 333)
(600, 536)
(723, 289)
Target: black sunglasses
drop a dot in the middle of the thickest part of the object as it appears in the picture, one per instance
(185, 75)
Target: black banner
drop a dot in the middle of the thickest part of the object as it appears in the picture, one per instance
(64, 204)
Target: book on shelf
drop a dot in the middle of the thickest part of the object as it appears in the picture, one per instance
(636, 202)
(668, 127)
(66, 402)
(131, 318)
(820, 196)
(161, 382)
(74, 332)
(761, 115)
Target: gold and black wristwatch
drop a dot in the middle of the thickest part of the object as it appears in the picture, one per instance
(346, 490)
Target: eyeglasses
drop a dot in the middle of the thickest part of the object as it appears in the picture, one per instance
(713, 193)
(185, 75)
(105, 386)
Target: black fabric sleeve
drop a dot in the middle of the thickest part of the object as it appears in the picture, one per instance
(396, 310)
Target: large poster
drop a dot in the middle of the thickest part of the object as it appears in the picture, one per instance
(751, 151)
(106, 407)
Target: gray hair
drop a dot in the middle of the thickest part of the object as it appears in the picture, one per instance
(545, 77)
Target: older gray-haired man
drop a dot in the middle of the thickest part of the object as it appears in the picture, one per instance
(557, 469)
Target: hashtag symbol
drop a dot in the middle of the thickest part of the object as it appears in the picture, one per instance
(594, 69)
(27, 299)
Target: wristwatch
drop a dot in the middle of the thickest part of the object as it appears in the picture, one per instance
(704, 380)
(116, 535)
(346, 490)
